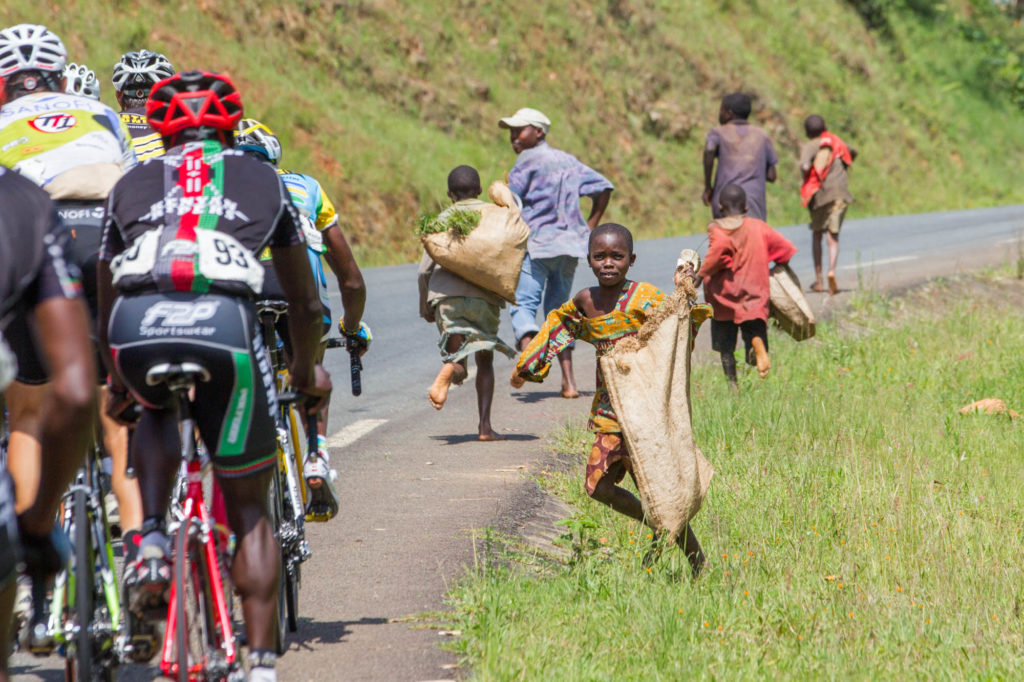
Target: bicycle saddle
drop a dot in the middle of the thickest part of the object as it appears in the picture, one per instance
(177, 375)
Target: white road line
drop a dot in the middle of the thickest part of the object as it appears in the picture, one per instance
(353, 432)
(882, 261)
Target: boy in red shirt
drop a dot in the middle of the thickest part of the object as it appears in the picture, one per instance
(735, 275)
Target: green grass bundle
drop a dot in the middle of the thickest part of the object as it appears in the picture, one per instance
(459, 223)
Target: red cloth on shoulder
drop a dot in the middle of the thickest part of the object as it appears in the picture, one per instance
(736, 267)
(813, 180)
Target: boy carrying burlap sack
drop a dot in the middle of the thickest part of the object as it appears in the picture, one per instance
(466, 315)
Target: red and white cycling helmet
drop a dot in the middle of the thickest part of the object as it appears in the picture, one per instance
(31, 47)
(194, 99)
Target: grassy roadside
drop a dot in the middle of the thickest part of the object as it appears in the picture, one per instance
(857, 526)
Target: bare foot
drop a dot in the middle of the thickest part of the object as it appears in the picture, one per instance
(489, 436)
(818, 286)
(833, 288)
(438, 393)
(570, 393)
(761, 354)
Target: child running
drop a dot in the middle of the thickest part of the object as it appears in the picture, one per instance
(466, 315)
(736, 281)
(603, 316)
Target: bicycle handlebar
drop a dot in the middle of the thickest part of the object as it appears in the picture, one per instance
(354, 347)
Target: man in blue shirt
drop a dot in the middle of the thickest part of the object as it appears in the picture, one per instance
(550, 182)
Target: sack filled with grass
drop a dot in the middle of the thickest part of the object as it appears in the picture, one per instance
(484, 245)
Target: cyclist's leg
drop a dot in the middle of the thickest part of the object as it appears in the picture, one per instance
(25, 400)
(255, 570)
(156, 453)
(24, 453)
(126, 490)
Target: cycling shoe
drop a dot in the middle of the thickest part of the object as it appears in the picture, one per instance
(322, 502)
(148, 582)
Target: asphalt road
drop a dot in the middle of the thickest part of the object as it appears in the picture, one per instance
(415, 483)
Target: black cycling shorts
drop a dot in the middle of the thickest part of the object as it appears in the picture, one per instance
(31, 366)
(235, 410)
(84, 220)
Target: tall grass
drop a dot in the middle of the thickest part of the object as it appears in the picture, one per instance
(857, 526)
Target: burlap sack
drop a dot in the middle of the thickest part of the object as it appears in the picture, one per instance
(648, 378)
(787, 305)
(491, 256)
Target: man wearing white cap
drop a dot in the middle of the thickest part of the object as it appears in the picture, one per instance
(550, 183)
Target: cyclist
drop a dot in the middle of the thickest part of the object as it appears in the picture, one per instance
(81, 81)
(323, 238)
(134, 76)
(180, 240)
(75, 148)
(37, 285)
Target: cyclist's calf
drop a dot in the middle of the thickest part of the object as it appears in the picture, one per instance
(256, 566)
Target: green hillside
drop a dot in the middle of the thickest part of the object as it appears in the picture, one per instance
(380, 98)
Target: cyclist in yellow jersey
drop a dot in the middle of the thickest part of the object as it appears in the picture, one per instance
(323, 238)
(75, 148)
(134, 76)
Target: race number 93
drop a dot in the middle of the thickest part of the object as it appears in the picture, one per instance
(223, 258)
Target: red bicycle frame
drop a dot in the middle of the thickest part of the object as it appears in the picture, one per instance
(195, 512)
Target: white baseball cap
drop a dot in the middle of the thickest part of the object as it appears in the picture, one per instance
(526, 117)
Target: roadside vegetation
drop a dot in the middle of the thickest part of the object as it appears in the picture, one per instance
(381, 98)
(857, 527)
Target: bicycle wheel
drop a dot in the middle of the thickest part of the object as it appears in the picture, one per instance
(276, 515)
(79, 666)
(196, 638)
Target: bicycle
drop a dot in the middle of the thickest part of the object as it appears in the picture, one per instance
(290, 504)
(288, 492)
(84, 615)
(200, 642)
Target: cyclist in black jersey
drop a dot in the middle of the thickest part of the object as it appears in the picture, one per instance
(177, 277)
(39, 291)
(75, 148)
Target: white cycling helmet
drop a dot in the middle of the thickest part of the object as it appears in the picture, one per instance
(141, 69)
(8, 364)
(31, 47)
(255, 136)
(81, 80)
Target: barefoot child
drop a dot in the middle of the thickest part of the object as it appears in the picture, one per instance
(736, 274)
(466, 315)
(603, 316)
(824, 161)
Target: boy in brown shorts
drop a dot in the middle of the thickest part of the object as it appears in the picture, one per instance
(824, 160)
(466, 315)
